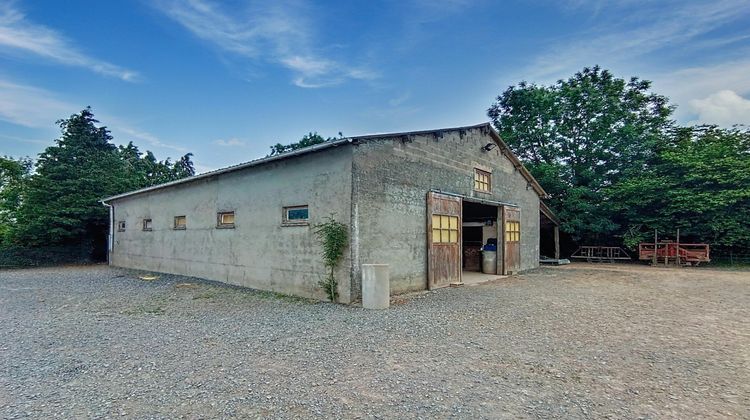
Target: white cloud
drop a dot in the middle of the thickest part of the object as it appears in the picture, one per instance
(229, 142)
(34, 107)
(25, 140)
(17, 34)
(276, 32)
(30, 106)
(149, 138)
(723, 108)
(639, 29)
(683, 86)
(400, 99)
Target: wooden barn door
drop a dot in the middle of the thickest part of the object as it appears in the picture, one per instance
(511, 240)
(443, 240)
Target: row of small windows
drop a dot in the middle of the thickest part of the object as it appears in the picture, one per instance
(293, 215)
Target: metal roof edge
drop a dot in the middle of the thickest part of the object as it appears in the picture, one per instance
(486, 126)
(240, 166)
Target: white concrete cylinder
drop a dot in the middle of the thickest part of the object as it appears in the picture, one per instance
(376, 286)
(489, 262)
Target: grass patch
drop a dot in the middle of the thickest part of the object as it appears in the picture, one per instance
(264, 294)
(205, 295)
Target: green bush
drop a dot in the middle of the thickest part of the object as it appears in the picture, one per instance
(20, 256)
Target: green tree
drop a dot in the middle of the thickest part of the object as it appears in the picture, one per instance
(14, 175)
(60, 204)
(699, 182)
(309, 139)
(580, 136)
(145, 170)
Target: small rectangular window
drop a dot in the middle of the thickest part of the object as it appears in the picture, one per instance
(180, 222)
(444, 229)
(121, 226)
(296, 215)
(512, 231)
(146, 224)
(225, 219)
(482, 180)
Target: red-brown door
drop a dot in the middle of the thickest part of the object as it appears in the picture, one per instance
(443, 240)
(511, 240)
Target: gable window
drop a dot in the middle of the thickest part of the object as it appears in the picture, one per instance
(444, 229)
(482, 180)
(296, 215)
(225, 219)
(121, 226)
(146, 224)
(180, 222)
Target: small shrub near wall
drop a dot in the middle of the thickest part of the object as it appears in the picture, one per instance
(333, 238)
(19, 256)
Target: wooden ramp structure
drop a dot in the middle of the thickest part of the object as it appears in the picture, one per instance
(595, 253)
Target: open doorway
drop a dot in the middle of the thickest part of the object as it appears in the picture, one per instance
(479, 230)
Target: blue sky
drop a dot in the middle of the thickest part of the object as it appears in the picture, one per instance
(226, 79)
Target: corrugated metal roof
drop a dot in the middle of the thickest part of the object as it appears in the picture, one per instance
(335, 143)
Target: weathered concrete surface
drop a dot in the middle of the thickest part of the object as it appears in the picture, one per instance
(259, 252)
(376, 185)
(391, 178)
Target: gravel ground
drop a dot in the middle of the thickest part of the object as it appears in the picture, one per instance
(579, 341)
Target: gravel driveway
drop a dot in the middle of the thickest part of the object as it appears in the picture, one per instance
(579, 341)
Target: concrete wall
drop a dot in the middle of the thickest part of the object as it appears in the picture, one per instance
(489, 232)
(391, 179)
(260, 252)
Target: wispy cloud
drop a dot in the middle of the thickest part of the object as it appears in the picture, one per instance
(640, 28)
(400, 99)
(134, 133)
(30, 106)
(230, 143)
(276, 32)
(34, 107)
(24, 140)
(634, 35)
(19, 35)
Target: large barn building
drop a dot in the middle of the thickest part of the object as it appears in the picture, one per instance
(421, 202)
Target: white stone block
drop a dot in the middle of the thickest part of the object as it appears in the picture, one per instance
(376, 286)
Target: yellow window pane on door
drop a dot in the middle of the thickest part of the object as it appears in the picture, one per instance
(454, 236)
(435, 235)
(453, 223)
(436, 221)
(444, 222)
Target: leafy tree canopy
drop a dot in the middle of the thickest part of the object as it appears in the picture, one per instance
(699, 182)
(59, 202)
(308, 139)
(580, 136)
